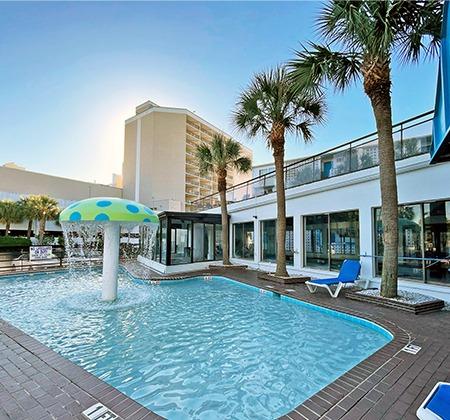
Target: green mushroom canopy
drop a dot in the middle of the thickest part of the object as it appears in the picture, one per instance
(108, 209)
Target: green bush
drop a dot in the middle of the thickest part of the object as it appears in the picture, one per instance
(13, 241)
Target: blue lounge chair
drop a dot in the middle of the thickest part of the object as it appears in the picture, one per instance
(349, 274)
(437, 405)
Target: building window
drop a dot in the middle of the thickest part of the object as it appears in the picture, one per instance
(316, 241)
(269, 241)
(156, 248)
(344, 237)
(243, 234)
(203, 242)
(163, 226)
(424, 232)
(330, 239)
(181, 241)
(218, 246)
(437, 241)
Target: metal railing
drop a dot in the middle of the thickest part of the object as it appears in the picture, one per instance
(412, 137)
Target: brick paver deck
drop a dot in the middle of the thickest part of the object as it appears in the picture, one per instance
(36, 383)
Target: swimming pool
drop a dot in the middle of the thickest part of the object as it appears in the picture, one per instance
(203, 349)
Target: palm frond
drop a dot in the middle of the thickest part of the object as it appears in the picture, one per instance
(204, 158)
(319, 64)
(222, 154)
(242, 164)
(418, 26)
(271, 104)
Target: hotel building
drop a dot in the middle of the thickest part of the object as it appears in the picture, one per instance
(160, 168)
(333, 212)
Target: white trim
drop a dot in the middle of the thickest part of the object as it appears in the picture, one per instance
(137, 181)
(174, 269)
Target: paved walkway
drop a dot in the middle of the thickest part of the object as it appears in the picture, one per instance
(36, 383)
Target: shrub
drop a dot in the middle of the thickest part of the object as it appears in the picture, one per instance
(14, 241)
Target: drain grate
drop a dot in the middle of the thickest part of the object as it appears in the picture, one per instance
(99, 412)
(411, 349)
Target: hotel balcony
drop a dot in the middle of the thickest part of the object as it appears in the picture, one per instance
(412, 138)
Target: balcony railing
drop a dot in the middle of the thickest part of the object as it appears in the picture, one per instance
(412, 137)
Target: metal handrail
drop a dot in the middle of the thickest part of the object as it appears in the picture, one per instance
(398, 127)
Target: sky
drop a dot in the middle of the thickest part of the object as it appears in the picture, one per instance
(72, 72)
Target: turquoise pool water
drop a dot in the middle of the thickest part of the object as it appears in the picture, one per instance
(192, 349)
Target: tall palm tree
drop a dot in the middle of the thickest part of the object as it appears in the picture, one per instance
(46, 209)
(10, 212)
(29, 212)
(362, 37)
(270, 107)
(222, 155)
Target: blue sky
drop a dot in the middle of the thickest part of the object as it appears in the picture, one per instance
(71, 73)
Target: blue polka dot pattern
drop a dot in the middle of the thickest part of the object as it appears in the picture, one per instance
(75, 216)
(147, 220)
(104, 203)
(102, 217)
(132, 208)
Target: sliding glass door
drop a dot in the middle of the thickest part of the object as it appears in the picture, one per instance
(330, 239)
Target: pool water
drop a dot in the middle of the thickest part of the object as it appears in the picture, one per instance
(191, 349)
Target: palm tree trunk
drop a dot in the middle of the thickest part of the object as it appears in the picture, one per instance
(222, 187)
(41, 231)
(30, 225)
(7, 227)
(278, 156)
(378, 90)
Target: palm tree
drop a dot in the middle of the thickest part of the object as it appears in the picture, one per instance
(270, 107)
(10, 212)
(219, 157)
(29, 211)
(46, 209)
(366, 34)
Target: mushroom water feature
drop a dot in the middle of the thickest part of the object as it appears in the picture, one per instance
(84, 222)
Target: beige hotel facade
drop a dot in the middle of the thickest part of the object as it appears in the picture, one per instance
(160, 168)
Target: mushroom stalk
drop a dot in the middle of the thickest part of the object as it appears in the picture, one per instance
(111, 243)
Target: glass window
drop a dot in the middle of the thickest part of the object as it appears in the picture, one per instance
(243, 246)
(409, 241)
(163, 241)
(219, 251)
(437, 241)
(181, 240)
(316, 241)
(156, 251)
(269, 241)
(331, 238)
(344, 237)
(203, 242)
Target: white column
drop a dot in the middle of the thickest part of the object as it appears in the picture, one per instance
(366, 241)
(257, 241)
(137, 180)
(298, 242)
(111, 242)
